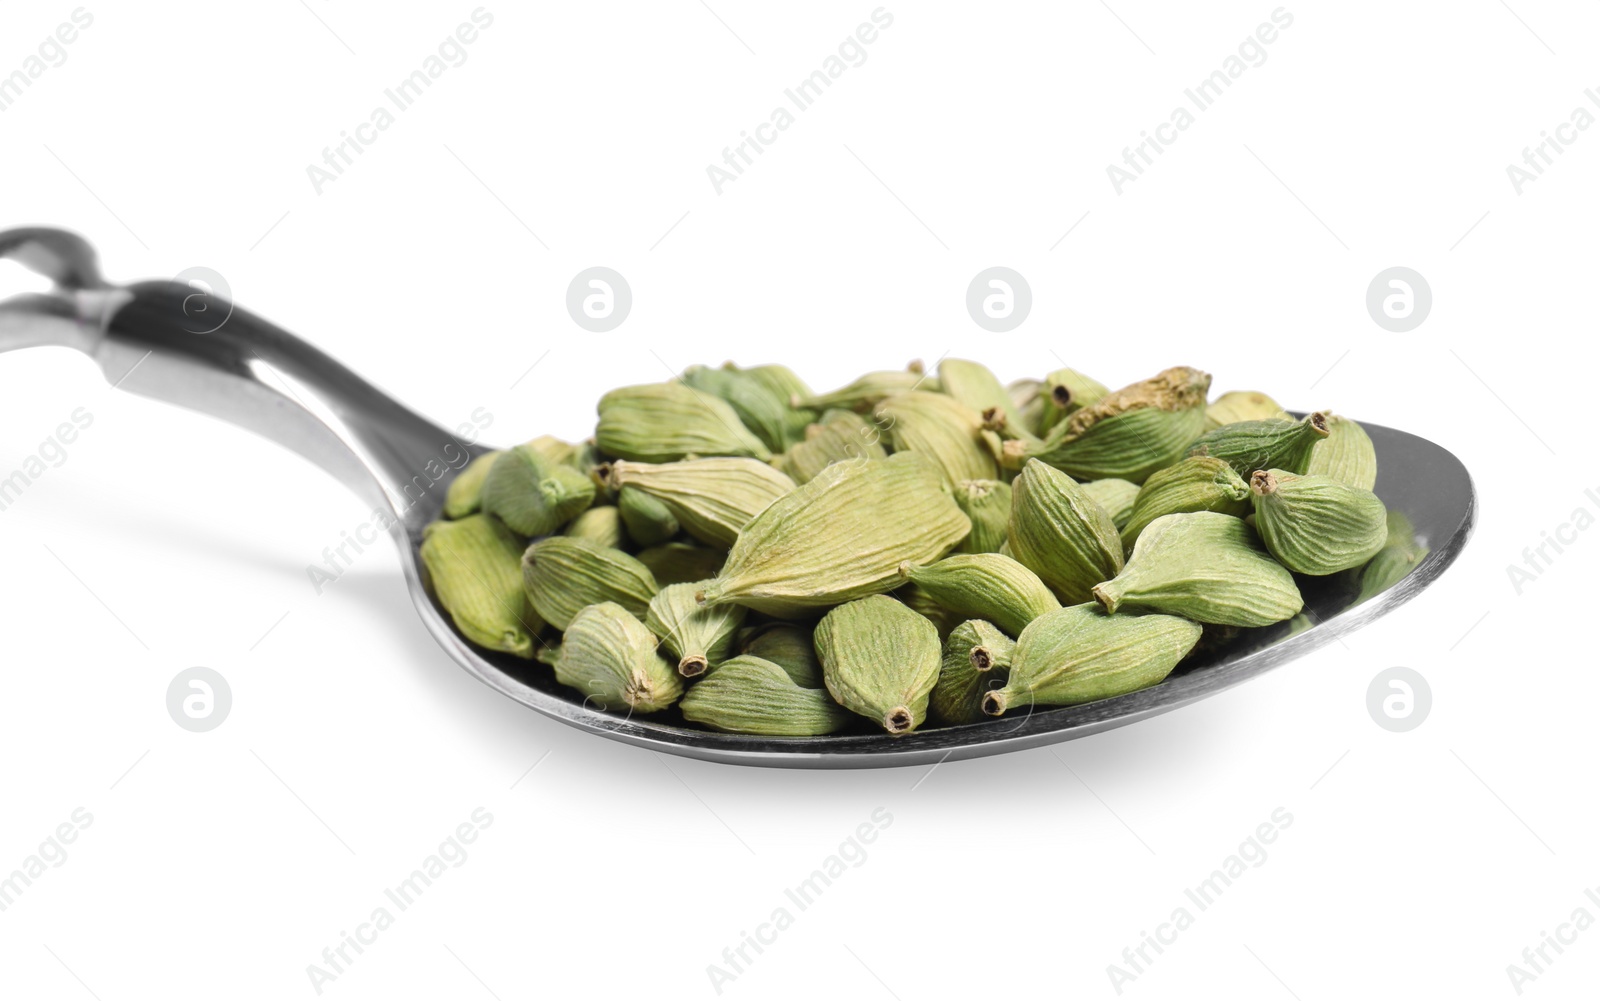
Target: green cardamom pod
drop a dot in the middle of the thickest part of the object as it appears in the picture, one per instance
(1401, 532)
(1115, 496)
(750, 695)
(840, 434)
(472, 569)
(1083, 654)
(976, 660)
(701, 637)
(994, 445)
(600, 525)
(806, 550)
(1265, 444)
(1198, 483)
(1027, 395)
(1128, 434)
(608, 655)
(1024, 392)
(985, 586)
(555, 449)
(780, 380)
(1400, 555)
(975, 387)
(668, 421)
(987, 503)
(462, 497)
(880, 660)
(534, 494)
(1067, 391)
(564, 575)
(648, 520)
(920, 601)
(764, 412)
(1204, 566)
(939, 427)
(799, 425)
(713, 499)
(1346, 454)
(1059, 533)
(870, 390)
(787, 645)
(593, 464)
(681, 562)
(1316, 525)
(1240, 405)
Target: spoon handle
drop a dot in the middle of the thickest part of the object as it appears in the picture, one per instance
(178, 343)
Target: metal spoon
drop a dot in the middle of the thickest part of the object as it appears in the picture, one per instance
(149, 338)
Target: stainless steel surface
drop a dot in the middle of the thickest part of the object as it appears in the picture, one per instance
(262, 378)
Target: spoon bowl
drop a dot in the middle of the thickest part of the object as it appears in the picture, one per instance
(159, 339)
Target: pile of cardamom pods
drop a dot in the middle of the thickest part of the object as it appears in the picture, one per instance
(773, 561)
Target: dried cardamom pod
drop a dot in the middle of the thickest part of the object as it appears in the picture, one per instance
(1198, 483)
(976, 660)
(1128, 434)
(806, 550)
(798, 423)
(555, 449)
(939, 427)
(667, 421)
(472, 568)
(1067, 391)
(788, 646)
(563, 575)
(586, 458)
(600, 525)
(1400, 555)
(1346, 454)
(681, 562)
(1316, 525)
(920, 601)
(1027, 395)
(1265, 444)
(764, 412)
(648, 520)
(1060, 534)
(879, 660)
(700, 637)
(1238, 405)
(780, 381)
(534, 494)
(1116, 496)
(608, 655)
(994, 445)
(595, 465)
(840, 434)
(1024, 392)
(975, 387)
(870, 390)
(750, 695)
(462, 497)
(985, 586)
(1204, 566)
(713, 499)
(987, 503)
(1083, 654)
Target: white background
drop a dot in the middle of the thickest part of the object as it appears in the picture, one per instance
(223, 863)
